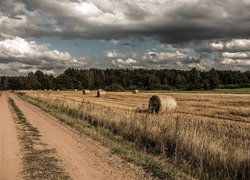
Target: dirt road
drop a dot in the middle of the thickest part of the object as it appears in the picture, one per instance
(82, 157)
(10, 158)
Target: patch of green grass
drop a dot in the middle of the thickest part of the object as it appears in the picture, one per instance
(157, 165)
(234, 91)
(221, 91)
(38, 160)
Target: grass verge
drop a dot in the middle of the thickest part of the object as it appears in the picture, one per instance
(158, 166)
(39, 161)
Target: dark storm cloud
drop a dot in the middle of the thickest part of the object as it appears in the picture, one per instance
(167, 21)
(201, 20)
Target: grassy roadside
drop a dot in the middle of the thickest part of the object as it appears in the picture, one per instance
(157, 165)
(39, 161)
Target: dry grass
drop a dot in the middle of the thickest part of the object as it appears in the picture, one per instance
(209, 131)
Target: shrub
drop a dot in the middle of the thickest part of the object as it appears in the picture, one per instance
(114, 87)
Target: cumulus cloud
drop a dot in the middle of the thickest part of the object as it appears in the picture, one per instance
(232, 54)
(236, 55)
(164, 57)
(222, 54)
(129, 63)
(203, 64)
(236, 62)
(20, 55)
(232, 45)
(113, 54)
(216, 46)
(177, 59)
(169, 56)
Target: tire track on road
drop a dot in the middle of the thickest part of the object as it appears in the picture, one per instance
(10, 157)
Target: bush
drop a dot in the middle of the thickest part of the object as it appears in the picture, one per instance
(114, 87)
(132, 87)
(167, 87)
(229, 86)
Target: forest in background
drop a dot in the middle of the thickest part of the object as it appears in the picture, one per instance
(128, 79)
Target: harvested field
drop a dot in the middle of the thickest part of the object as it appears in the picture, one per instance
(223, 106)
(208, 131)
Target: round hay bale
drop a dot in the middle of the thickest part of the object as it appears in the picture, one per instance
(85, 91)
(100, 92)
(162, 104)
(76, 90)
(135, 91)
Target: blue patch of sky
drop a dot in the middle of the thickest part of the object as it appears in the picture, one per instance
(138, 45)
(95, 49)
(76, 47)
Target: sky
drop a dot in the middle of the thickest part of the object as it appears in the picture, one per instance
(53, 35)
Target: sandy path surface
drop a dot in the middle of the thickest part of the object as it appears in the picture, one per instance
(10, 158)
(82, 157)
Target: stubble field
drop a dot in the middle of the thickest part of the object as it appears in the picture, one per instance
(208, 135)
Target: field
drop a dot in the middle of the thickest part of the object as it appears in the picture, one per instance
(208, 135)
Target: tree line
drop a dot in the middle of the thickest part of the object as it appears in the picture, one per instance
(128, 79)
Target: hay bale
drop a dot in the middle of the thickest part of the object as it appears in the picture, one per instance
(100, 92)
(135, 91)
(58, 89)
(162, 104)
(85, 91)
(75, 90)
